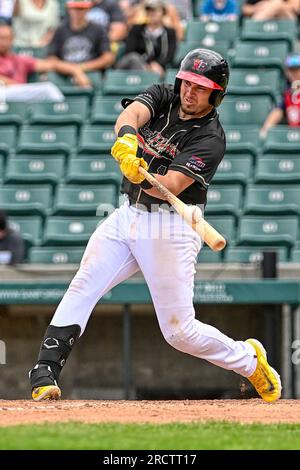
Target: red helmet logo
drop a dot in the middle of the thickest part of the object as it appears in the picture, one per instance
(199, 65)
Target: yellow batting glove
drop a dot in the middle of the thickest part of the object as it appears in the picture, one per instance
(126, 143)
(130, 168)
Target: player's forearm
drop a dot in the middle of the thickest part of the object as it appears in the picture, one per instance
(174, 181)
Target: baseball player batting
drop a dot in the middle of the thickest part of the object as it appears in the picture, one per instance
(182, 144)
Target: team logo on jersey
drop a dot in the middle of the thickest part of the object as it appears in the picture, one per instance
(199, 65)
(195, 163)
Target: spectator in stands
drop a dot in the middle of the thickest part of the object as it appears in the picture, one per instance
(6, 10)
(15, 70)
(260, 10)
(219, 10)
(109, 14)
(138, 15)
(34, 22)
(81, 43)
(288, 111)
(150, 46)
(11, 242)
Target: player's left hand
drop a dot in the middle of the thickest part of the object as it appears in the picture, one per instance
(125, 145)
(130, 168)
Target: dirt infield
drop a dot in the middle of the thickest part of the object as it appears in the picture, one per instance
(158, 412)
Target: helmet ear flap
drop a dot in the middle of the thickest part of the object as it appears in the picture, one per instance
(216, 97)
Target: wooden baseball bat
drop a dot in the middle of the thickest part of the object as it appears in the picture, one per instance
(210, 235)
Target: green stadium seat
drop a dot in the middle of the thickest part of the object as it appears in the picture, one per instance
(8, 139)
(234, 170)
(295, 256)
(170, 76)
(87, 200)
(35, 170)
(47, 139)
(206, 255)
(224, 200)
(26, 200)
(75, 231)
(29, 227)
(282, 139)
(96, 139)
(244, 110)
(68, 88)
(13, 113)
(278, 169)
(268, 230)
(128, 82)
(93, 170)
(183, 48)
(242, 139)
(209, 32)
(272, 200)
(253, 254)
(186, 46)
(270, 30)
(257, 82)
(260, 54)
(37, 52)
(225, 225)
(74, 110)
(105, 110)
(1, 168)
(55, 255)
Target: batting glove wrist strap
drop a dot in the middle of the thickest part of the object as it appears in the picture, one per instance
(126, 130)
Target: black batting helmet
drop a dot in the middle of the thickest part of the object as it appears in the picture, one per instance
(206, 68)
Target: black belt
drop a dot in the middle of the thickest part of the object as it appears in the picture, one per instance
(148, 207)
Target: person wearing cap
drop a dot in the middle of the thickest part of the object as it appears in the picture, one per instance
(173, 130)
(138, 15)
(11, 242)
(80, 43)
(150, 46)
(288, 109)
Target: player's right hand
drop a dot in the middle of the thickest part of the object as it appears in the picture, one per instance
(130, 168)
(124, 146)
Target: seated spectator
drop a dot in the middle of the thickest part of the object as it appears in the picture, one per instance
(150, 46)
(81, 43)
(11, 243)
(171, 19)
(219, 10)
(34, 22)
(109, 14)
(261, 10)
(15, 70)
(288, 111)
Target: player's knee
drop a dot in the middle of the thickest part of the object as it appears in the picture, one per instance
(178, 339)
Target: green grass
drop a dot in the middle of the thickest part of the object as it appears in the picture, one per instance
(212, 435)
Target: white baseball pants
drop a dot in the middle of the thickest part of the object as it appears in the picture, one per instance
(164, 248)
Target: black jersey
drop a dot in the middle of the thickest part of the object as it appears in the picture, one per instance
(194, 147)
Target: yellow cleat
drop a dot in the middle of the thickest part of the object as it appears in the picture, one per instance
(49, 392)
(265, 379)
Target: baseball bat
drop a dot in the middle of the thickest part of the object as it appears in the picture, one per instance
(210, 235)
